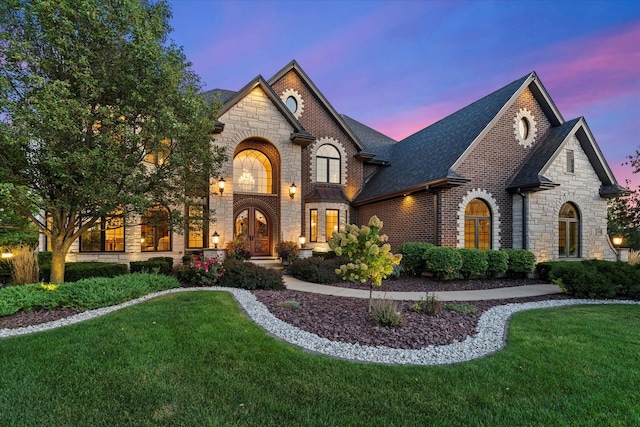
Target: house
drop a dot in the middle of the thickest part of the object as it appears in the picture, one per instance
(507, 171)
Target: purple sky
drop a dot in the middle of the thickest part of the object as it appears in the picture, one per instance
(398, 66)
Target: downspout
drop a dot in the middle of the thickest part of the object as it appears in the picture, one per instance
(524, 219)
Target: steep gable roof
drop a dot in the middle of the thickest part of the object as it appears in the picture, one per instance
(293, 65)
(377, 144)
(229, 98)
(531, 175)
(428, 156)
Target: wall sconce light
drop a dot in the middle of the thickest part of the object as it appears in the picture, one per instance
(302, 240)
(292, 190)
(221, 185)
(216, 239)
(7, 254)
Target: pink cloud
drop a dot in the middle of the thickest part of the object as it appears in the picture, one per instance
(591, 70)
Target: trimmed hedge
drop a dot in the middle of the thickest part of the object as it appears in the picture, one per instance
(75, 271)
(443, 262)
(316, 269)
(163, 264)
(246, 275)
(474, 262)
(521, 262)
(593, 278)
(497, 263)
(412, 261)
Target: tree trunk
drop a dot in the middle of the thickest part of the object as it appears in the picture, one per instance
(57, 265)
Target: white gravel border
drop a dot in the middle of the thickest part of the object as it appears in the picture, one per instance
(491, 336)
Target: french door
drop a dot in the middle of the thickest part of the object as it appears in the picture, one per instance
(253, 224)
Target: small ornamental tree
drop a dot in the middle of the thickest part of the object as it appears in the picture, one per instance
(370, 258)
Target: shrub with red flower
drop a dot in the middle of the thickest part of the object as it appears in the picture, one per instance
(205, 272)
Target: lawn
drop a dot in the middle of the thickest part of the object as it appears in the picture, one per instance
(195, 359)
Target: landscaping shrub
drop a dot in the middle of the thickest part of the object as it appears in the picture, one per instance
(582, 281)
(5, 272)
(44, 258)
(386, 312)
(201, 272)
(543, 269)
(474, 262)
(245, 275)
(497, 263)
(24, 266)
(287, 251)
(85, 294)
(430, 305)
(163, 265)
(75, 271)
(316, 269)
(521, 262)
(634, 292)
(621, 275)
(238, 248)
(324, 254)
(443, 262)
(412, 261)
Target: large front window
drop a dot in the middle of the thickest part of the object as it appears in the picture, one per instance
(252, 173)
(107, 235)
(331, 222)
(569, 231)
(477, 225)
(198, 227)
(328, 164)
(155, 231)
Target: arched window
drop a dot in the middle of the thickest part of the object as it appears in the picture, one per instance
(477, 225)
(569, 231)
(328, 164)
(252, 172)
(155, 234)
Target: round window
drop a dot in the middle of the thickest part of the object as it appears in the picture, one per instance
(292, 104)
(524, 128)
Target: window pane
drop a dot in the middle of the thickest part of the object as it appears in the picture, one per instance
(252, 172)
(328, 151)
(242, 224)
(261, 229)
(562, 238)
(90, 241)
(568, 211)
(477, 207)
(470, 233)
(322, 172)
(114, 234)
(154, 231)
(314, 225)
(484, 234)
(334, 171)
(196, 230)
(331, 222)
(573, 239)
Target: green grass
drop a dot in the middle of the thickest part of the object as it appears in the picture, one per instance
(195, 359)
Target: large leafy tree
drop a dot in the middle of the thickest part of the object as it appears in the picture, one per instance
(624, 212)
(89, 90)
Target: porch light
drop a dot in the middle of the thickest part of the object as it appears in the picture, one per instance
(617, 241)
(216, 239)
(7, 254)
(302, 240)
(292, 190)
(221, 185)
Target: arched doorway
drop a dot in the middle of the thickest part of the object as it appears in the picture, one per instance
(254, 225)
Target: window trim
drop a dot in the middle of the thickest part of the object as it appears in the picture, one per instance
(327, 179)
(103, 230)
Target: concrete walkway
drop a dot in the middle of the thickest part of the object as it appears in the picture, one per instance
(501, 293)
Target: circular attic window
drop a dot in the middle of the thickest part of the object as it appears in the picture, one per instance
(292, 104)
(523, 128)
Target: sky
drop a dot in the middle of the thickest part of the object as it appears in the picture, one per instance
(399, 66)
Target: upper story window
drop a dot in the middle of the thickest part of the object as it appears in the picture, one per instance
(523, 128)
(292, 104)
(570, 162)
(328, 164)
(252, 172)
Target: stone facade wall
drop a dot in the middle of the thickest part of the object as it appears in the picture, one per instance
(255, 120)
(580, 188)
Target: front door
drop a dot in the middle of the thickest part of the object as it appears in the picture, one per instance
(254, 226)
